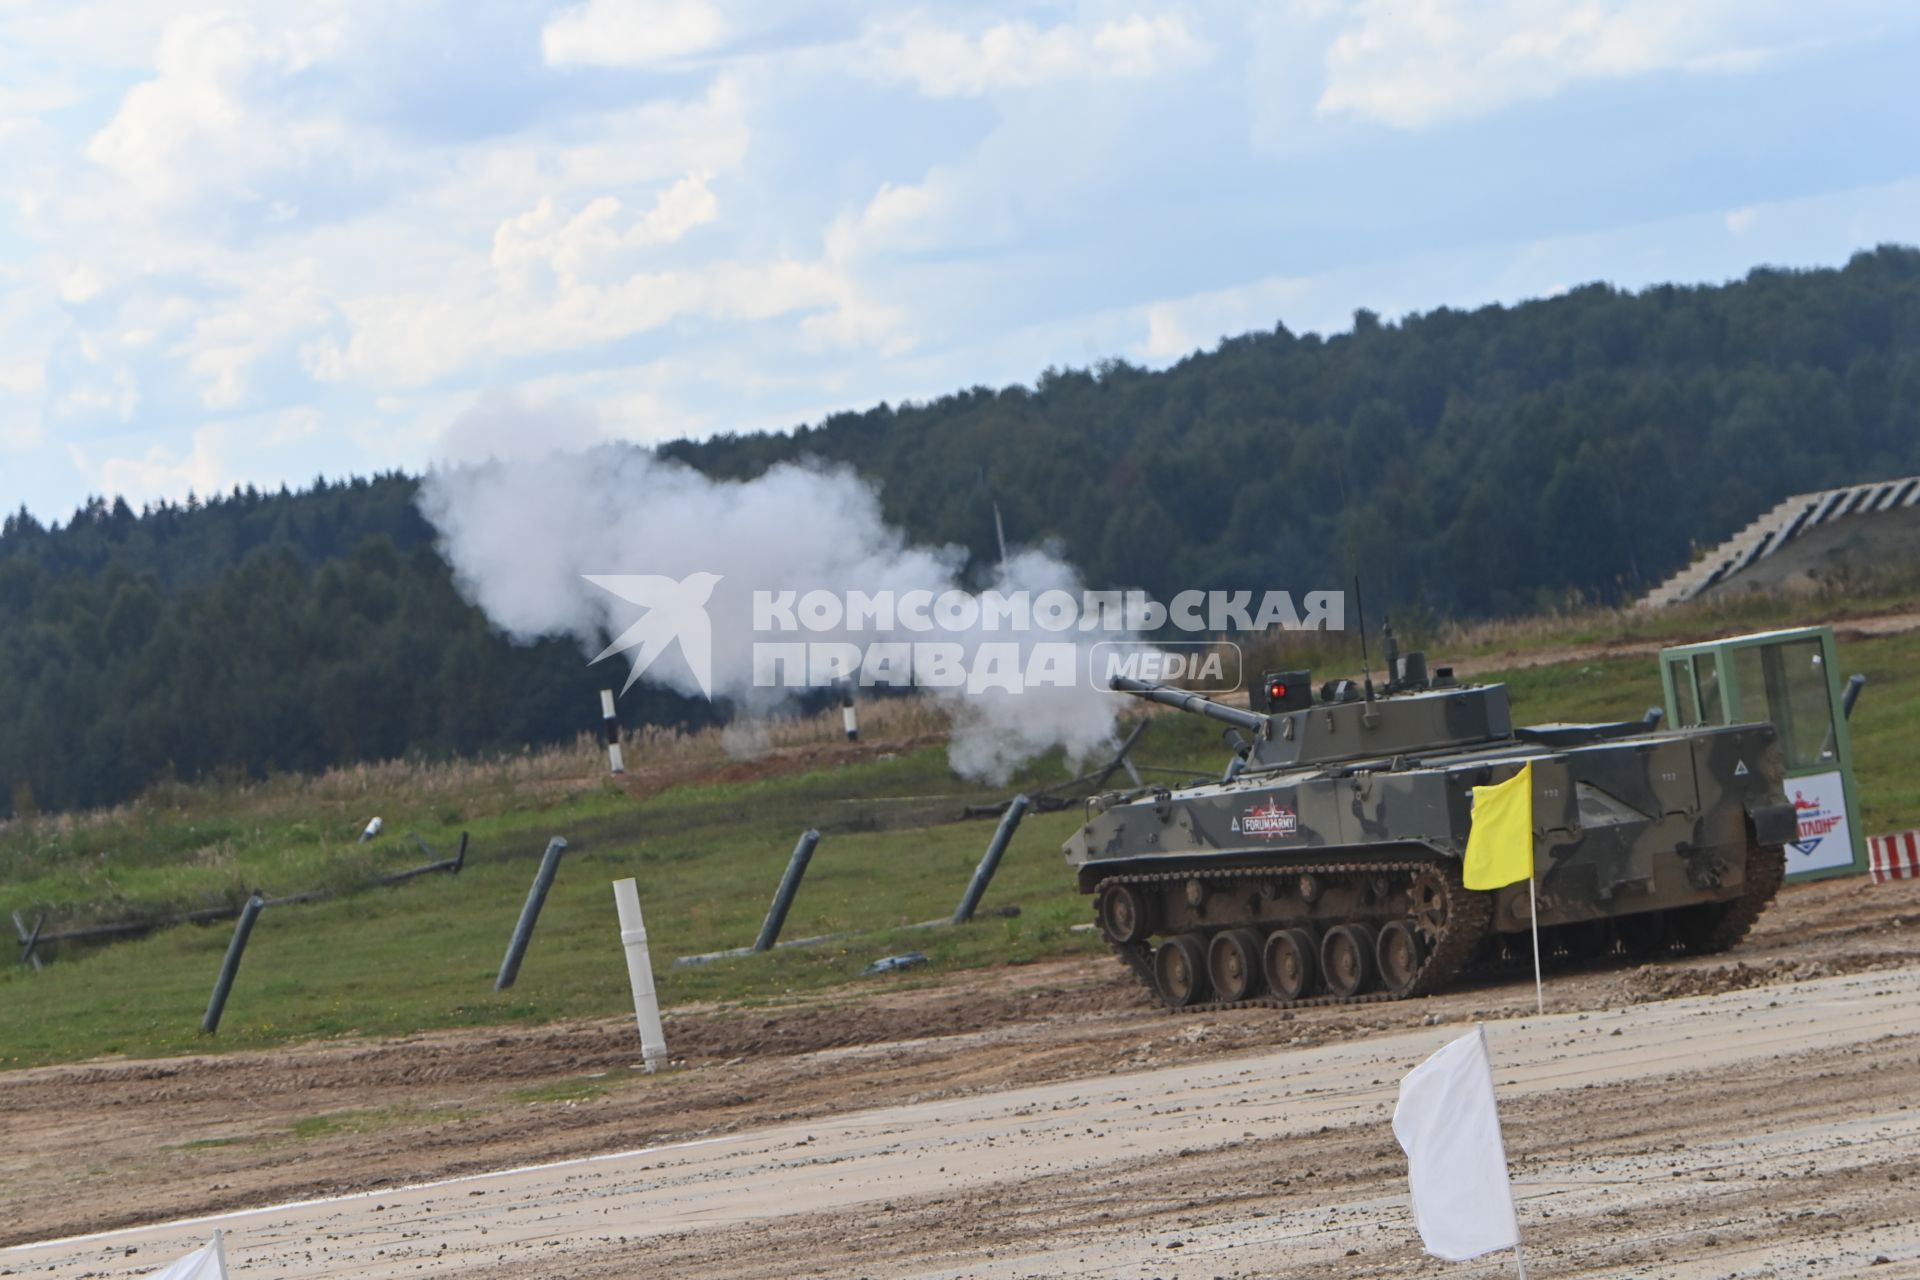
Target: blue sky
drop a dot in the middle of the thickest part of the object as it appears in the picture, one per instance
(264, 242)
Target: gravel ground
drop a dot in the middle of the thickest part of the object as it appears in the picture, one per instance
(1755, 1116)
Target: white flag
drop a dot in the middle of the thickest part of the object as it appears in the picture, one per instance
(1456, 1163)
(208, 1263)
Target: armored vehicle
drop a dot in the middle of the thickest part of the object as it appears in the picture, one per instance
(1325, 866)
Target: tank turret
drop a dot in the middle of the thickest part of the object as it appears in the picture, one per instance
(1343, 729)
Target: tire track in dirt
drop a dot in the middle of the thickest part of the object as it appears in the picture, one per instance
(105, 1144)
(1276, 1161)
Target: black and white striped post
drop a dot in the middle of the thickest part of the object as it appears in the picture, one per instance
(848, 717)
(612, 721)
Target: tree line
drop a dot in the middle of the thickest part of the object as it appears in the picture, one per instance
(1466, 463)
(251, 633)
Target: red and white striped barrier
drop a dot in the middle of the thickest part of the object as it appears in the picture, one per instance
(1894, 857)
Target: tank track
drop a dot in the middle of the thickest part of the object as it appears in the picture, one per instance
(1766, 872)
(1469, 923)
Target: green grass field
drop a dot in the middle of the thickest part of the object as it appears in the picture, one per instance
(424, 954)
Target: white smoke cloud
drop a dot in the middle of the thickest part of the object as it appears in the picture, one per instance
(523, 535)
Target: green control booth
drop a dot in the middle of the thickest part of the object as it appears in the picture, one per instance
(1791, 679)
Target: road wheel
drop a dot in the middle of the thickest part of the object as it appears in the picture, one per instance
(1710, 927)
(1644, 935)
(1124, 913)
(1233, 964)
(1583, 941)
(1180, 971)
(1399, 955)
(1292, 964)
(1346, 958)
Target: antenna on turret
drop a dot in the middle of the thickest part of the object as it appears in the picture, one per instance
(1360, 608)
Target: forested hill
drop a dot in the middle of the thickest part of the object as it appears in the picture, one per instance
(252, 633)
(1465, 462)
(1474, 462)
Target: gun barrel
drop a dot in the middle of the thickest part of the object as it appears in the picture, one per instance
(1252, 721)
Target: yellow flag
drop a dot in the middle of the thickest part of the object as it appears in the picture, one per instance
(1500, 842)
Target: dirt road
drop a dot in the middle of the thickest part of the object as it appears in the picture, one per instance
(1783, 1137)
(1748, 1132)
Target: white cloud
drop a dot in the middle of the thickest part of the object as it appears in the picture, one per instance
(595, 242)
(19, 433)
(272, 311)
(89, 385)
(1177, 327)
(856, 323)
(1167, 335)
(415, 268)
(158, 473)
(565, 410)
(95, 33)
(303, 202)
(23, 107)
(224, 454)
(1417, 63)
(410, 340)
(509, 426)
(1823, 230)
(23, 377)
(945, 63)
(22, 384)
(631, 33)
(199, 120)
(892, 211)
(940, 212)
(617, 150)
(82, 284)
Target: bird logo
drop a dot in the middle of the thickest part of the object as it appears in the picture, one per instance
(676, 609)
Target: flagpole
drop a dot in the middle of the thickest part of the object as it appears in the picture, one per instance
(1539, 991)
(1519, 1258)
(220, 1253)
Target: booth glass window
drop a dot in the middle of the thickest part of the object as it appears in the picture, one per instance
(1686, 704)
(1792, 677)
(1706, 678)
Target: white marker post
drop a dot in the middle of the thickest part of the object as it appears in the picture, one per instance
(646, 1005)
(849, 720)
(614, 763)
